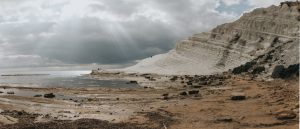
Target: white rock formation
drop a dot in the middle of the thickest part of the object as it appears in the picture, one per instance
(230, 45)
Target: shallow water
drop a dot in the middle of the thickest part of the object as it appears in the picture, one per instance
(56, 78)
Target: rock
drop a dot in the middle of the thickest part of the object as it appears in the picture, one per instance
(192, 92)
(50, 95)
(258, 70)
(10, 92)
(224, 119)
(183, 93)
(20, 113)
(166, 94)
(278, 71)
(37, 95)
(196, 86)
(174, 78)
(148, 77)
(132, 82)
(189, 83)
(94, 72)
(281, 72)
(238, 96)
(292, 70)
(243, 68)
(285, 114)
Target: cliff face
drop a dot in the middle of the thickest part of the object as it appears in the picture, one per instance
(269, 36)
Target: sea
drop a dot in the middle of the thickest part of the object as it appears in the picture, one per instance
(48, 77)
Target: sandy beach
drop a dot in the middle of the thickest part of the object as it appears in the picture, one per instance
(226, 101)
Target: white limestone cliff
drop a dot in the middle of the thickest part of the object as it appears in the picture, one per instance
(232, 44)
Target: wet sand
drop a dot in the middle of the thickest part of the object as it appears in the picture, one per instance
(159, 103)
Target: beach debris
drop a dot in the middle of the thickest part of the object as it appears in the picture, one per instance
(285, 114)
(238, 96)
(50, 95)
(193, 92)
(10, 92)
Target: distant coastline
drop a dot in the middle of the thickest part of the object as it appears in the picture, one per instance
(25, 75)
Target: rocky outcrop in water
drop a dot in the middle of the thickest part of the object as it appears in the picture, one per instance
(265, 37)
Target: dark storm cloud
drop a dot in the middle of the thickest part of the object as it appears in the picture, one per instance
(43, 32)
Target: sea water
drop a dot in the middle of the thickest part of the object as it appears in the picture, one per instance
(56, 77)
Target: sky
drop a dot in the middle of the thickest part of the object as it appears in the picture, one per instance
(62, 32)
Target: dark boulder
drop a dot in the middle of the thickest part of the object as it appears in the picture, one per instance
(258, 70)
(238, 96)
(37, 95)
(281, 72)
(50, 95)
(132, 82)
(278, 71)
(243, 68)
(292, 70)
